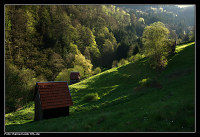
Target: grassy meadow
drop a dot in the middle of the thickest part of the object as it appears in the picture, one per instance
(130, 98)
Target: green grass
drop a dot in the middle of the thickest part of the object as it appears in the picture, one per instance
(130, 98)
(21, 116)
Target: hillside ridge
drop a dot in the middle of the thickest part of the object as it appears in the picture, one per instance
(131, 98)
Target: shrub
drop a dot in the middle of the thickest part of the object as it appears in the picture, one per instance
(91, 97)
(150, 82)
(97, 70)
(163, 63)
(62, 76)
(136, 57)
(41, 78)
(19, 86)
(144, 82)
(158, 62)
(114, 64)
(122, 62)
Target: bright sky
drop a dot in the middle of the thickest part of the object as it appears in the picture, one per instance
(183, 6)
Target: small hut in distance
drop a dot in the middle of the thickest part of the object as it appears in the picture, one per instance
(74, 77)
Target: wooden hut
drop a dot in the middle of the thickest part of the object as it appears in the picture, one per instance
(52, 99)
(74, 77)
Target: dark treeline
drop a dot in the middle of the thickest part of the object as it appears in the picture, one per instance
(46, 42)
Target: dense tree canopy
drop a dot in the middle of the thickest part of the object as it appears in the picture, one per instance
(47, 41)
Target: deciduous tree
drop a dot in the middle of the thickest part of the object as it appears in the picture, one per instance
(154, 39)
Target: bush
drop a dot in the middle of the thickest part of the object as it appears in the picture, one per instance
(163, 63)
(91, 97)
(19, 86)
(122, 62)
(114, 64)
(136, 57)
(97, 70)
(158, 62)
(150, 82)
(41, 78)
(63, 76)
(144, 82)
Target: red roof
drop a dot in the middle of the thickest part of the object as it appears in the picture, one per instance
(75, 75)
(54, 94)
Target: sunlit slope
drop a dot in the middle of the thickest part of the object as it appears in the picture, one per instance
(132, 98)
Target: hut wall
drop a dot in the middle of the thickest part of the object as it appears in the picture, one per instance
(38, 108)
(56, 112)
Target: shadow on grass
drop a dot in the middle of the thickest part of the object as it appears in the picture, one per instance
(122, 85)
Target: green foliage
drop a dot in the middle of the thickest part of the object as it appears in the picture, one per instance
(91, 97)
(119, 63)
(154, 39)
(121, 108)
(87, 53)
(11, 87)
(95, 30)
(70, 57)
(47, 42)
(107, 53)
(63, 76)
(97, 70)
(80, 60)
(95, 55)
(80, 69)
(136, 57)
(149, 83)
(44, 71)
(192, 35)
(141, 20)
(19, 85)
(23, 115)
(143, 82)
(37, 28)
(86, 38)
(114, 64)
(122, 62)
(73, 48)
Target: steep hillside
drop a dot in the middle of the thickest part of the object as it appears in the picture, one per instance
(131, 98)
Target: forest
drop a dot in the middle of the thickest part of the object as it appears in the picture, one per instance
(47, 42)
